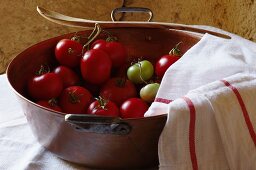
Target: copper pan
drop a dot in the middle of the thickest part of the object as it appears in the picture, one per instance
(97, 142)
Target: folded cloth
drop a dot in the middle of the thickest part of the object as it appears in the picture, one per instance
(211, 127)
(21, 151)
(209, 95)
(211, 59)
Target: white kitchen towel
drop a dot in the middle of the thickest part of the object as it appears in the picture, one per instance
(212, 127)
(211, 59)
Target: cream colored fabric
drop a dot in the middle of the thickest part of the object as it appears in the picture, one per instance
(222, 139)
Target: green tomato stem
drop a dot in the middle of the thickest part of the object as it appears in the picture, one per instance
(140, 67)
(44, 68)
(176, 51)
(96, 31)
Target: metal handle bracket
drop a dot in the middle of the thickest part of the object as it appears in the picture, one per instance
(98, 124)
(131, 10)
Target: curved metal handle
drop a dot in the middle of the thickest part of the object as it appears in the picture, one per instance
(131, 10)
(89, 24)
(98, 124)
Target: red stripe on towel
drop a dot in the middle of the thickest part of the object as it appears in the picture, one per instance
(244, 110)
(162, 100)
(192, 125)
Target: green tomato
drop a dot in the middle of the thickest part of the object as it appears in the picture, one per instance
(148, 92)
(140, 72)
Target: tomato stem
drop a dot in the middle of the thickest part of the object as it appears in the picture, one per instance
(102, 102)
(52, 102)
(96, 31)
(76, 38)
(74, 98)
(110, 37)
(44, 68)
(140, 67)
(176, 51)
(70, 51)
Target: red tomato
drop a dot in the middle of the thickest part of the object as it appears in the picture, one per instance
(115, 50)
(133, 108)
(96, 66)
(68, 76)
(104, 108)
(51, 104)
(99, 44)
(68, 52)
(45, 87)
(166, 61)
(75, 100)
(118, 90)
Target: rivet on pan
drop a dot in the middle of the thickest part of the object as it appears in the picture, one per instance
(120, 128)
(148, 38)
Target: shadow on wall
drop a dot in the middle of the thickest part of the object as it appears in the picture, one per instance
(21, 25)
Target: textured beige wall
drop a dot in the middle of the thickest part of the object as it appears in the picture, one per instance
(21, 26)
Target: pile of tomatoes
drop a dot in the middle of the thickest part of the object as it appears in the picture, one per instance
(96, 79)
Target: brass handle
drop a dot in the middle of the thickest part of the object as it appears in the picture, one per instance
(89, 24)
(131, 10)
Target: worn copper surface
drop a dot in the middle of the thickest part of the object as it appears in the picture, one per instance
(136, 149)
